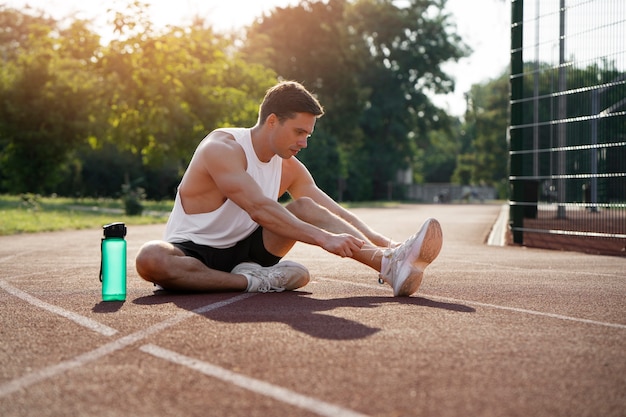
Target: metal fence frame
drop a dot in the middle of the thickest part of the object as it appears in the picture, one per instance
(568, 125)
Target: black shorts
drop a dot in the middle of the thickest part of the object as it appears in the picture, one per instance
(250, 249)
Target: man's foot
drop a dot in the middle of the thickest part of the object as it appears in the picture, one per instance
(403, 266)
(286, 275)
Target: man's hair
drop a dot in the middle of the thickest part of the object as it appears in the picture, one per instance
(286, 99)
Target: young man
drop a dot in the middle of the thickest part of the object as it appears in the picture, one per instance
(227, 230)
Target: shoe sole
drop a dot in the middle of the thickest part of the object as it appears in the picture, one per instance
(428, 246)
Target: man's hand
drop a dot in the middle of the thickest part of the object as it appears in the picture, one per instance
(343, 244)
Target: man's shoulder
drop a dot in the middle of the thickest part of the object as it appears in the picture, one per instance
(232, 137)
(217, 136)
(219, 139)
(217, 150)
(232, 133)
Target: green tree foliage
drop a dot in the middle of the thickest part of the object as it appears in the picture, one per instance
(310, 43)
(594, 107)
(484, 148)
(71, 109)
(371, 63)
(46, 86)
(81, 117)
(483, 153)
(440, 156)
(172, 88)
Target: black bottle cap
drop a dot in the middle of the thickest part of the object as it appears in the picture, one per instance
(117, 229)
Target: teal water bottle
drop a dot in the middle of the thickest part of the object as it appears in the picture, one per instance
(113, 262)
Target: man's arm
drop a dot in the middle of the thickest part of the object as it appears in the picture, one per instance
(302, 184)
(225, 162)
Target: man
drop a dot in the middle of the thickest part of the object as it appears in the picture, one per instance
(228, 232)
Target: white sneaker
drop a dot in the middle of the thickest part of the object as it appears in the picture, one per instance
(403, 266)
(286, 275)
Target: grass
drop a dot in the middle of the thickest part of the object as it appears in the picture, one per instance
(29, 213)
(32, 214)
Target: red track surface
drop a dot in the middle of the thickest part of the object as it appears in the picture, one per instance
(493, 331)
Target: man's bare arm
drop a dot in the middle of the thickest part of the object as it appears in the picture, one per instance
(225, 162)
(303, 185)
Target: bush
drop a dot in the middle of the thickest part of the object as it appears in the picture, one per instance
(132, 198)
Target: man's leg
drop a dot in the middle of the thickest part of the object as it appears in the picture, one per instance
(402, 267)
(309, 211)
(164, 264)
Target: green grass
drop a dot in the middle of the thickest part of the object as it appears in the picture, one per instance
(32, 214)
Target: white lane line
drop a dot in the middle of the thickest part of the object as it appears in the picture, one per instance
(495, 306)
(7, 258)
(15, 255)
(284, 395)
(80, 360)
(76, 318)
(534, 312)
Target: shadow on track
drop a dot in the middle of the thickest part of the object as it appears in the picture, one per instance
(314, 317)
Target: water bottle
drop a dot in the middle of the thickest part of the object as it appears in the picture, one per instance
(113, 262)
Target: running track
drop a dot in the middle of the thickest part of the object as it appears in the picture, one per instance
(493, 331)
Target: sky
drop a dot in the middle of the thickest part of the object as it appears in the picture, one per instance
(482, 24)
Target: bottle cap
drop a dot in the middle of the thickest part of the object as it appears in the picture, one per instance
(117, 229)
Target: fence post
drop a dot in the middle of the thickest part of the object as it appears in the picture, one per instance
(562, 116)
(516, 210)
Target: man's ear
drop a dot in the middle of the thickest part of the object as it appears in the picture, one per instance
(271, 120)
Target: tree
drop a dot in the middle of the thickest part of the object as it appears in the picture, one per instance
(172, 88)
(46, 89)
(310, 43)
(484, 159)
(440, 156)
(74, 113)
(65, 99)
(370, 62)
(484, 155)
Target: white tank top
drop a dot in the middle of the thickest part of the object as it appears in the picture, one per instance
(229, 224)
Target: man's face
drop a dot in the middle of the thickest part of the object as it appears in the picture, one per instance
(292, 135)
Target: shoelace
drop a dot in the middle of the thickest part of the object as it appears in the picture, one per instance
(395, 254)
(387, 253)
(266, 282)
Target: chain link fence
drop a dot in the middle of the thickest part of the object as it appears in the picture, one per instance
(568, 125)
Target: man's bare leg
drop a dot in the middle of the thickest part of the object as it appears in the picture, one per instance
(164, 264)
(402, 267)
(309, 211)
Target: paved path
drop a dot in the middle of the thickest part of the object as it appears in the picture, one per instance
(493, 331)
